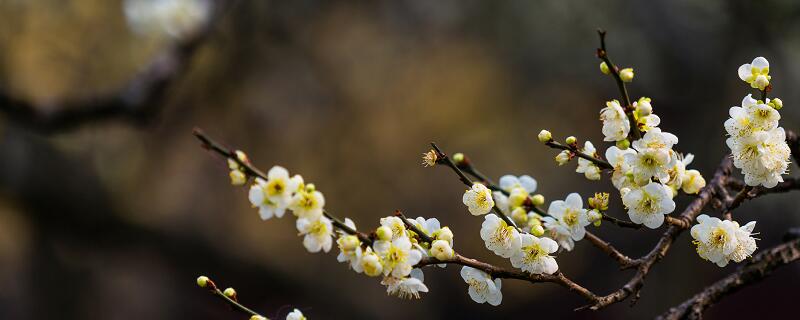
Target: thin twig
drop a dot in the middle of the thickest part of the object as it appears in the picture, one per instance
(213, 289)
(252, 171)
(574, 150)
(602, 53)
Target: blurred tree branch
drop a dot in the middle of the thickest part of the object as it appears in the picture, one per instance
(760, 266)
(137, 101)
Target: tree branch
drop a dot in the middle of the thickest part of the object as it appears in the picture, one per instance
(760, 266)
(137, 101)
(574, 149)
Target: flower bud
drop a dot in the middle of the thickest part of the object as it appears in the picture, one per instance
(441, 250)
(537, 230)
(562, 157)
(626, 74)
(202, 281)
(444, 234)
(519, 215)
(458, 158)
(238, 178)
(595, 215)
(761, 82)
(623, 144)
(598, 222)
(371, 264)
(537, 200)
(384, 233)
(232, 164)
(241, 156)
(604, 68)
(571, 140)
(545, 136)
(692, 182)
(311, 188)
(643, 107)
(776, 103)
(230, 293)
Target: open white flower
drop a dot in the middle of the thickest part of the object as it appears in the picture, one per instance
(398, 256)
(622, 176)
(371, 263)
(318, 233)
(756, 73)
(295, 315)
(615, 123)
(406, 287)
(571, 215)
(649, 163)
(266, 209)
(509, 183)
(481, 286)
(720, 241)
(396, 225)
(763, 156)
(746, 243)
(588, 168)
(428, 226)
(307, 204)
(499, 237)
(478, 199)
(655, 139)
(534, 255)
(648, 205)
(558, 232)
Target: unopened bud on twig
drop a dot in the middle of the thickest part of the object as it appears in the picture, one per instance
(230, 293)
(384, 233)
(537, 200)
(604, 68)
(623, 144)
(571, 140)
(238, 177)
(459, 158)
(626, 74)
(202, 281)
(545, 136)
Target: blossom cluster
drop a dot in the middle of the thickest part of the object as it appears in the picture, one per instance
(722, 241)
(756, 141)
(392, 253)
(647, 172)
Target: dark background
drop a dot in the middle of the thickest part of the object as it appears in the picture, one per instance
(114, 219)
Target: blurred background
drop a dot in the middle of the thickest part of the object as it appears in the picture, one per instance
(109, 208)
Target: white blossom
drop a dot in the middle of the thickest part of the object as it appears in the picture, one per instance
(534, 255)
(478, 199)
(481, 286)
(499, 237)
(692, 182)
(755, 73)
(571, 215)
(396, 225)
(615, 123)
(307, 204)
(648, 205)
(509, 183)
(397, 256)
(622, 176)
(588, 168)
(763, 156)
(721, 241)
(318, 233)
(406, 287)
(559, 233)
(295, 315)
(273, 196)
